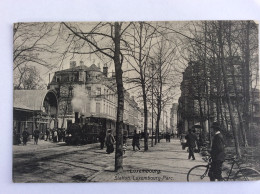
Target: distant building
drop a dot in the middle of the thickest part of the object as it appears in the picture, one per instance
(90, 93)
(193, 107)
(173, 118)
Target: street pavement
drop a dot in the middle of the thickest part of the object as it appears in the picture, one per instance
(58, 162)
(165, 162)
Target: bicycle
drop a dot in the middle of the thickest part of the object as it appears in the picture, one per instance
(199, 173)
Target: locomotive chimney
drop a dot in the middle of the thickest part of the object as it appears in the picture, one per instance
(76, 117)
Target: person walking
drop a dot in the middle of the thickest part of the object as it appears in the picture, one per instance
(102, 137)
(136, 142)
(168, 137)
(110, 140)
(15, 140)
(36, 134)
(191, 143)
(217, 154)
(124, 144)
(47, 134)
(25, 135)
(55, 135)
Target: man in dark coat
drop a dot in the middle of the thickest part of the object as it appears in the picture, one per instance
(25, 135)
(191, 143)
(217, 154)
(136, 142)
(36, 134)
(102, 136)
(47, 134)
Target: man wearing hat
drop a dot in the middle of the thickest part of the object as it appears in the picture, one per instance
(25, 135)
(217, 154)
(191, 143)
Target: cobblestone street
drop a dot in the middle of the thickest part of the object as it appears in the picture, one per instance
(50, 162)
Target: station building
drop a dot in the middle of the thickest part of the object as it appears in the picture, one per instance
(34, 109)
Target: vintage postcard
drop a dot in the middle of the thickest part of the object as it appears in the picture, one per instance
(136, 102)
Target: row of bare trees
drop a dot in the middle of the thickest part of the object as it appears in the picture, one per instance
(142, 46)
(226, 53)
(139, 44)
(154, 53)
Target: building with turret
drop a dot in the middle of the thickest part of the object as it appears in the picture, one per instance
(88, 92)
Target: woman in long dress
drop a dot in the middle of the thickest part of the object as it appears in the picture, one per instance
(110, 142)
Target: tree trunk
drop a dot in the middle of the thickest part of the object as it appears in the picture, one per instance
(232, 69)
(145, 119)
(223, 67)
(246, 77)
(120, 107)
(157, 140)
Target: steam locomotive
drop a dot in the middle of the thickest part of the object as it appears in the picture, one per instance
(86, 130)
(83, 131)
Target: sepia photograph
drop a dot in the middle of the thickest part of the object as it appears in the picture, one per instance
(141, 101)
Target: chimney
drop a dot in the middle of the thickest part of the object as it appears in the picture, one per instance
(81, 63)
(105, 70)
(72, 64)
(76, 117)
(113, 74)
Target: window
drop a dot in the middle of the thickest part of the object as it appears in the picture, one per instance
(97, 107)
(76, 76)
(98, 91)
(58, 79)
(89, 90)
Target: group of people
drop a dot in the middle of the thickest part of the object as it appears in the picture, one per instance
(109, 140)
(217, 151)
(168, 137)
(56, 135)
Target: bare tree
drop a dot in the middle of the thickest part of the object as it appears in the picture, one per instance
(28, 78)
(163, 54)
(138, 57)
(30, 43)
(104, 39)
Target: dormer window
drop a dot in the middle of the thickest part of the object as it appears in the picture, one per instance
(58, 79)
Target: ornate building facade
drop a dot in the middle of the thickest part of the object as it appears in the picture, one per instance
(90, 93)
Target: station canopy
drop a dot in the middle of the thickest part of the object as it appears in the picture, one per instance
(32, 100)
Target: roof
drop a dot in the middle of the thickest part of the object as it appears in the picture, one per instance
(93, 67)
(29, 99)
(76, 68)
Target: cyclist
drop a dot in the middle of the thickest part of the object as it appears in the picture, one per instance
(217, 154)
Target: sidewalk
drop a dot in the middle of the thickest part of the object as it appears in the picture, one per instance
(165, 162)
(45, 145)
